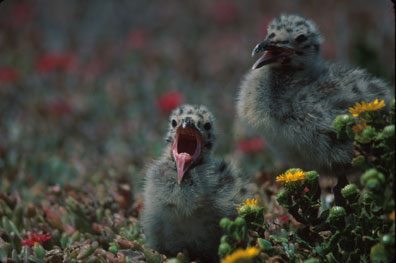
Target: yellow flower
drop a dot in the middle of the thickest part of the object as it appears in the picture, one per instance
(291, 177)
(392, 215)
(358, 128)
(242, 255)
(252, 202)
(364, 107)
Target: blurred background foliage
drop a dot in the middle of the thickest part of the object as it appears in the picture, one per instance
(86, 86)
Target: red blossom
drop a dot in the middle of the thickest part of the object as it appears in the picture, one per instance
(252, 145)
(35, 238)
(169, 101)
(21, 13)
(60, 107)
(8, 75)
(137, 39)
(66, 61)
(306, 190)
(283, 218)
(225, 11)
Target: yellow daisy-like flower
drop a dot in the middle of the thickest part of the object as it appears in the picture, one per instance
(358, 128)
(359, 108)
(392, 215)
(242, 255)
(291, 177)
(249, 202)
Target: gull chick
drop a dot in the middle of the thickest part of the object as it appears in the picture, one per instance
(292, 95)
(187, 191)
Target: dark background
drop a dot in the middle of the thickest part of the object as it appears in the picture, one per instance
(81, 81)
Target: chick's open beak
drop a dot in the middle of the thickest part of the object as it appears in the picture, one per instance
(186, 148)
(271, 54)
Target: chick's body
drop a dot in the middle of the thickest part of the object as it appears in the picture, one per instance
(292, 96)
(180, 216)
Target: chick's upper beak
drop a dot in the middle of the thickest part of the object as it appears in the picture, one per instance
(260, 47)
(272, 52)
(187, 122)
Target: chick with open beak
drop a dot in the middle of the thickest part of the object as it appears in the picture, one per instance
(187, 191)
(186, 148)
(192, 132)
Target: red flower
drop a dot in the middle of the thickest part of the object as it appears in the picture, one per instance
(8, 75)
(306, 190)
(21, 13)
(225, 11)
(169, 101)
(137, 39)
(252, 145)
(283, 218)
(35, 238)
(60, 107)
(52, 61)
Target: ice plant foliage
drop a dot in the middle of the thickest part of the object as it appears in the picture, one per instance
(360, 108)
(248, 202)
(242, 255)
(35, 238)
(291, 176)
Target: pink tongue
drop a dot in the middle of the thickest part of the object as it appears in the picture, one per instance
(181, 161)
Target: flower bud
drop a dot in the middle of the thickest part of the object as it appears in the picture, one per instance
(337, 216)
(239, 221)
(311, 176)
(351, 193)
(372, 174)
(224, 239)
(389, 131)
(366, 135)
(225, 222)
(343, 120)
(373, 185)
(224, 249)
(337, 211)
(284, 199)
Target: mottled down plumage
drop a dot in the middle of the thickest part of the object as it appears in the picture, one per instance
(184, 215)
(292, 96)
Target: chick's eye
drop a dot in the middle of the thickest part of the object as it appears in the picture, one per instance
(174, 123)
(301, 38)
(207, 126)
